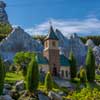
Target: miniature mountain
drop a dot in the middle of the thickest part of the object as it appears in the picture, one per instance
(73, 43)
(17, 41)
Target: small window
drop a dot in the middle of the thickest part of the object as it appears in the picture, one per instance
(62, 73)
(66, 73)
(54, 43)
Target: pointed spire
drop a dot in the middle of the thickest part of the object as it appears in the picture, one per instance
(51, 34)
(2, 4)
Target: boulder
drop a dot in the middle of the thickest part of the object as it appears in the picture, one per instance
(54, 96)
(6, 97)
(41, 96)
(7, 86)
(20, 85)
(6, 91)
(15, 95)
(61, 93)
(98, 72)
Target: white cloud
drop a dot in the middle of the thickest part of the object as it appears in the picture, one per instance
(82, 27)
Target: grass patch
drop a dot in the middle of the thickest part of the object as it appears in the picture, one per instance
(97, 77)
(13, 77)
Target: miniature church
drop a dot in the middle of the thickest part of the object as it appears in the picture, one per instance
(51, 59)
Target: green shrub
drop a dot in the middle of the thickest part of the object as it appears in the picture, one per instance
(73, 65)
(48, 81)
(82, 75)
(2, 75)
(32, 76)
(85, 94)
(90, 66)
(22, 60)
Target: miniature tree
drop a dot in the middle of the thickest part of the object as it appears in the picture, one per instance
(22, 59)
(90, 66)
(73, 65)
(48, 81)
(32, 76)
(2, 74)
(82, 75)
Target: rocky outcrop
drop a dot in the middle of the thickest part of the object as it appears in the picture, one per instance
(3, 14)
(74, 44)
(54, 96)
(6, 97)
(96, 51)
(90, 43)
(18, 40)
(20, 85)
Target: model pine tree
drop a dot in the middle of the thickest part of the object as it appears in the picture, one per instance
(48, 81)
(32, 76)
(73, 65)
(82, 75)
(90, 65)
(2, 72)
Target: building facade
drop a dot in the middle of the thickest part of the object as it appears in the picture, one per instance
(51, 60)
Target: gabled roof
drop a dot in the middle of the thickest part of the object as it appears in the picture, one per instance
(41, 59)
(51, 34)
(64, 61)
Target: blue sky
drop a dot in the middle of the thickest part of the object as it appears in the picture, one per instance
(33, 15)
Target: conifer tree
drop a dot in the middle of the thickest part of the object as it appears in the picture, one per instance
(82, 75)
(73, 65)
(2, 74)
(90, 65)
(32, 76)
(48, 81)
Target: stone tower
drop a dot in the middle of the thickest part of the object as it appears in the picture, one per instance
(3, 14)
(51, 52)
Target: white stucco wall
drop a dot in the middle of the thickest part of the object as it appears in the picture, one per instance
(65, 68)
(44, 67)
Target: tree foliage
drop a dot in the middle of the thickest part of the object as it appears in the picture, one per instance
(90, 65)
(32, 76)
(48, 81)
(22, 59)
(85, 94)
(5, 29)
(2, 74)
(73, 65)
(40, 38)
